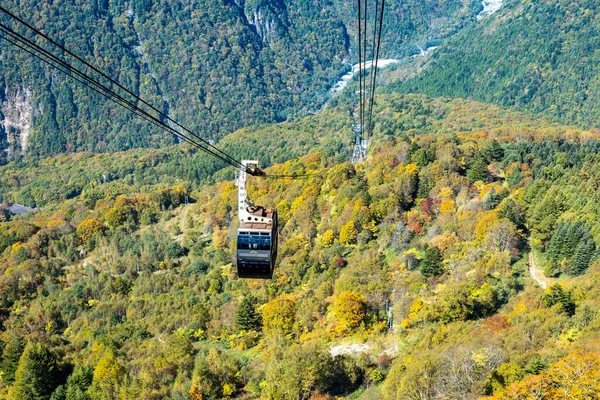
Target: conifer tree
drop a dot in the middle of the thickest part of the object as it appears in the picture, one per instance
(36, 376)
(60, 393)
(571, 240)
(494, 151)
(583, 256)
(555, 294)
(514, 177)
(478, 170)
(555, 244)
(431, 264)
(421, 158)
(247, 318)
(10, 359)
(78, 383)
(491, 200)
(511, 211)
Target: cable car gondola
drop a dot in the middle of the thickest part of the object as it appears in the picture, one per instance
(257, 234)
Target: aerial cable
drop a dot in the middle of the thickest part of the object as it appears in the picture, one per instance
(101, 89)
(232, 161)
(56, 62)
(50, 59)
(371, 88)
(376, 61)
(104, 75)
(365, 25)
(68, 72)
(291, 176)
(360, 82)
(68, 69)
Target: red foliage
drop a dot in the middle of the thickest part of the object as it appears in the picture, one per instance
(383, 361)
(497, 323)
(427, 207)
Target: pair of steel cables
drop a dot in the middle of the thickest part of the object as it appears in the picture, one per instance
(109, 88)
(367, 86)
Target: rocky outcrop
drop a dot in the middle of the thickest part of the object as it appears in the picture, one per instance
(16, 107)
(268, 18)
(264, 27)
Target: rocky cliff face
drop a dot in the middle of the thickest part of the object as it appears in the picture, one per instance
(268, 18)
(15, 119)
(264, 27)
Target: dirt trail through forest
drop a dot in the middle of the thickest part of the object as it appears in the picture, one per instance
(537, 274)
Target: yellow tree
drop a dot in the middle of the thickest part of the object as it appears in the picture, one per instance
(328, 238)
(348, 233)
(88, 228)
(220, 238)
(279, 315)
(576, 376)
(107, 376)
(349, 309)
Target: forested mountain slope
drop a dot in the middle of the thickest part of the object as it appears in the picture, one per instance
(215, 65)
(120, 290)
(534, 55)
(327, 133)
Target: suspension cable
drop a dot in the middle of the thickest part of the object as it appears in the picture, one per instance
(360, 66)
(374, 80)
(69, 70)
(38, 52)
(370, 84)
(234, 162)
(365, 25)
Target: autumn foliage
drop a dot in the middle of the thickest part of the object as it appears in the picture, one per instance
(350, 310)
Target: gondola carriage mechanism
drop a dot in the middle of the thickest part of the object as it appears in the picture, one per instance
(256, 250)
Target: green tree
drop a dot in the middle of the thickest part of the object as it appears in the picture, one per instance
(514, 177)
(36, 376)
(79, 382)
(511, 210)
(216, 374)
(494, 151)
(61, 394)
(174, 250)
(545, 213)
(478, 171)
(10, 358)
(298, 372)
(492, 199)
(247, 318)
(431, 264)
(555, 294)
(583, 256)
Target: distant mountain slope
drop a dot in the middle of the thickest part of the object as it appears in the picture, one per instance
(541, 56)
(329, 134)
(215, 65)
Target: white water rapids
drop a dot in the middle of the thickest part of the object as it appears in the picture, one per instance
(344, 80)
